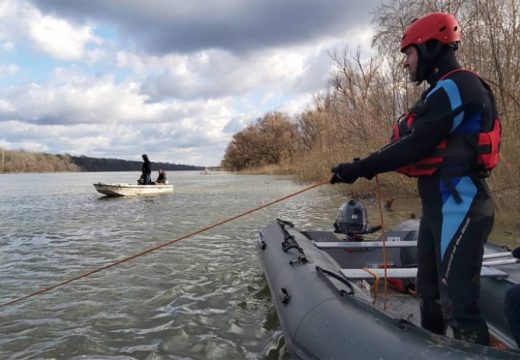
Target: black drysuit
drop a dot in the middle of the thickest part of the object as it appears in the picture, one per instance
(457, 208)
(146, 171)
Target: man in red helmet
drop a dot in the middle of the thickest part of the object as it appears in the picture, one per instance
(449, 140)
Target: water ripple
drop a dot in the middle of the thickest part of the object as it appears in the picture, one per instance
(202, 298)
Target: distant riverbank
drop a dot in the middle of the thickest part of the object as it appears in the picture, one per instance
(20, 161)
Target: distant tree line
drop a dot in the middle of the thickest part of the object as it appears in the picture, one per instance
(107, 164)
(354, 114)
(19, 161)
(12, 161)
(273, 139)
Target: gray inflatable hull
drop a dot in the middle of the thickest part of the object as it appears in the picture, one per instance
(325, 318)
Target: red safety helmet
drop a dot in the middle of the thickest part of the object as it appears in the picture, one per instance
(435, 26)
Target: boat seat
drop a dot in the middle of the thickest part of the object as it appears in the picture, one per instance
(408, 273)
(363, 244)
(498, 255)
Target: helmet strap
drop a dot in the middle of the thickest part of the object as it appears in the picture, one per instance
(431, 49)
(424, 64)
(429, 55)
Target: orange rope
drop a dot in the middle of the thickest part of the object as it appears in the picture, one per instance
(160, 246)
(383, 238)
(374, 287)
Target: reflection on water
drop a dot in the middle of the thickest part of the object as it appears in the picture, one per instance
(204, 297)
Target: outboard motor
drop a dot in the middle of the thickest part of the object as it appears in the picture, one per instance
(351, 220)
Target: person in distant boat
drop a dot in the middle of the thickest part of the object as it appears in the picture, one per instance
(161, 179)
(146, 170)
(140, 181)
(449, 140)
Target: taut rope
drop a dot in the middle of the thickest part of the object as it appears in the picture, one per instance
(383, 238)
(160, 246)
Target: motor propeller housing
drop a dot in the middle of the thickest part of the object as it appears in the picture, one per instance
(351, 218)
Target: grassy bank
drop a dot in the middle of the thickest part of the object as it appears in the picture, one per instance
(395, 186)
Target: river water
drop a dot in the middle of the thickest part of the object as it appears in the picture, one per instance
(204, 297)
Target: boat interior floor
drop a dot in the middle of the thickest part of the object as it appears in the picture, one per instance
(399, 305)
(362, 262)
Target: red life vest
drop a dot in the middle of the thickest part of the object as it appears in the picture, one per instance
(484, 146)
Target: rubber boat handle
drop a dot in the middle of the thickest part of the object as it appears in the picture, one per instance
(284, 222)
(261, 244)
(284, 296)
(322, 272)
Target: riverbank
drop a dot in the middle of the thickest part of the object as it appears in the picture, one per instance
(20, 161)
(401, 190)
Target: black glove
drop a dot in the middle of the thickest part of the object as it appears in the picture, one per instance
(346, 172)
(516, 253)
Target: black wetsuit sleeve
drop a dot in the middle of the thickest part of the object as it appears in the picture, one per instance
(146, 169)
(433, 123)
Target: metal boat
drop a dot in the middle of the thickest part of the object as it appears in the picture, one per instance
(132, 189)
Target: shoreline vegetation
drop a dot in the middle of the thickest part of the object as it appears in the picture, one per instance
(21, 161)
(354, 114)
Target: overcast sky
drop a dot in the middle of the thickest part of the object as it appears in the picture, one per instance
(175, 79)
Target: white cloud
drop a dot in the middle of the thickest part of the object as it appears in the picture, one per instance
(58, 38)
(96, 56)
(7, 46)
(5, 106)
(81, 100)
(297, 105)
(166, 79)
(8, 70)
(97, 117)
(176, 26)
(11, 20)
(163, 142)
(21, 21)
(216, 73)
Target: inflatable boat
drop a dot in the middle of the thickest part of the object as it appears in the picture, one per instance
(327, 289)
